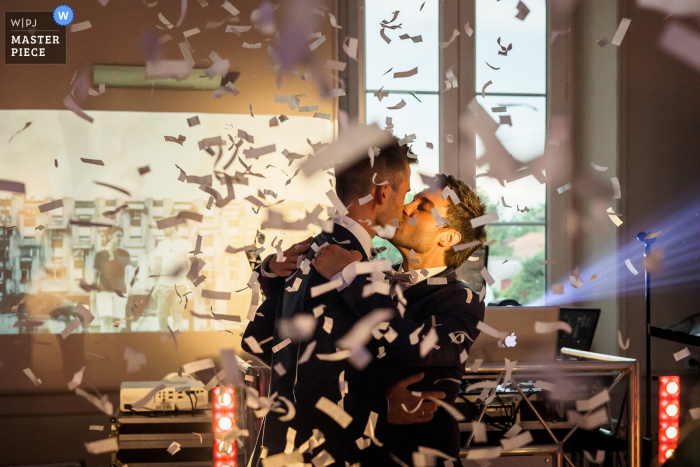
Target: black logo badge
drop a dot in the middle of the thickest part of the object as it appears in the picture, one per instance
(33, 37)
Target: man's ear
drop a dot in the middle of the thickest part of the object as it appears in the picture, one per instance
(449, 238)
(381, 194)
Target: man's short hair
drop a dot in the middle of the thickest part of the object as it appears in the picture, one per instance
(355, 182)
(459, 216)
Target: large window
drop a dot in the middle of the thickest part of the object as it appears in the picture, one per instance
(518, 84)
(518, 89)
(420, 116)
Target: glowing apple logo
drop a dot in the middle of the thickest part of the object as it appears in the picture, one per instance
(510, 340)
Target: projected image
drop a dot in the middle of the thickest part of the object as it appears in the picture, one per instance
(77, 256)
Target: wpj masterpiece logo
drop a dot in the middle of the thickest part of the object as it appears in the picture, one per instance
(36, 37)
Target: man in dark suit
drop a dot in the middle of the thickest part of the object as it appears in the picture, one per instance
(432, 336)
(303, 373)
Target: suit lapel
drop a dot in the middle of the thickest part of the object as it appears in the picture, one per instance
(423, 289)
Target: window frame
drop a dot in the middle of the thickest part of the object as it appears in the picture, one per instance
(459, 158)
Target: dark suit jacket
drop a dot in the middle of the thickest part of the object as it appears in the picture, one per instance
(317, 378)
(306, 383)
(447, 305)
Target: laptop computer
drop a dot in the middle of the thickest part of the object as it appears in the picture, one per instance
(583, 322)
(527, 346)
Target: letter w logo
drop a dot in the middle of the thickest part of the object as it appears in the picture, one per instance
(63, 15)
(15, 22)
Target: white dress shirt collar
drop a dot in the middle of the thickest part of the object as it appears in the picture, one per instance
(358, 231)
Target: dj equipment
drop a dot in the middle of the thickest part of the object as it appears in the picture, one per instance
(541, 398)
(178, 393)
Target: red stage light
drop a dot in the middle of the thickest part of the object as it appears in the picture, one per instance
(224, 411)
(669, 409)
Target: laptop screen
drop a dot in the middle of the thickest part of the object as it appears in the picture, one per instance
(583, 322)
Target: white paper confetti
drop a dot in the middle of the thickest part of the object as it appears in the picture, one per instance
(681, 354)
(629, 265)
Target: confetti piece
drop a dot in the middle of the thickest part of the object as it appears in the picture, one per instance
(340, 416)
(230, 8)
(590, 422)
(335, 65)
(30, 375)
(624, 345)
(365, 199)
(214, 295)
(198, 365)
(564, 188)
(26, 125)
(255, 153)
(485, 328)
(454, 413)
(678, 355)
(103, 445)
(72, 326)
(468, 29)
(191, 32)
(546, 328)
(406, 74)
(617, 194)
(173, 448)
(551, 387)
(613, 217)
(193, 121)
(46, 207)
(483, 89)
(598, 459)
(350, 47)
(327, 287)
(314, 45)
(516, 442)
(484, 453)
(80, 26)
(92, 161)
(398, 106)
(73, 107)
(695, 413)
(621, 31)
(599, 168)
(594, 402)
(444, 45)
(523, 11)
(629, 265)
(483, 220)
(121, 190)
(97, 428)
(384, 36)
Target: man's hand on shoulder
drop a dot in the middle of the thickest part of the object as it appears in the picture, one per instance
(399, 394)
(332, 259)
(287, 267)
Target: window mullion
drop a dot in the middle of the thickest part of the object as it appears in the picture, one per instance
(449, 100)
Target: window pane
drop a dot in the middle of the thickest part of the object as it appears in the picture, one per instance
(402, 55)
(525, 140)
(419, 118)
(516, 266)
(523, 69)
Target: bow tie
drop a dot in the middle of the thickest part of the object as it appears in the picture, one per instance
(374, 252)
(402, 279)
